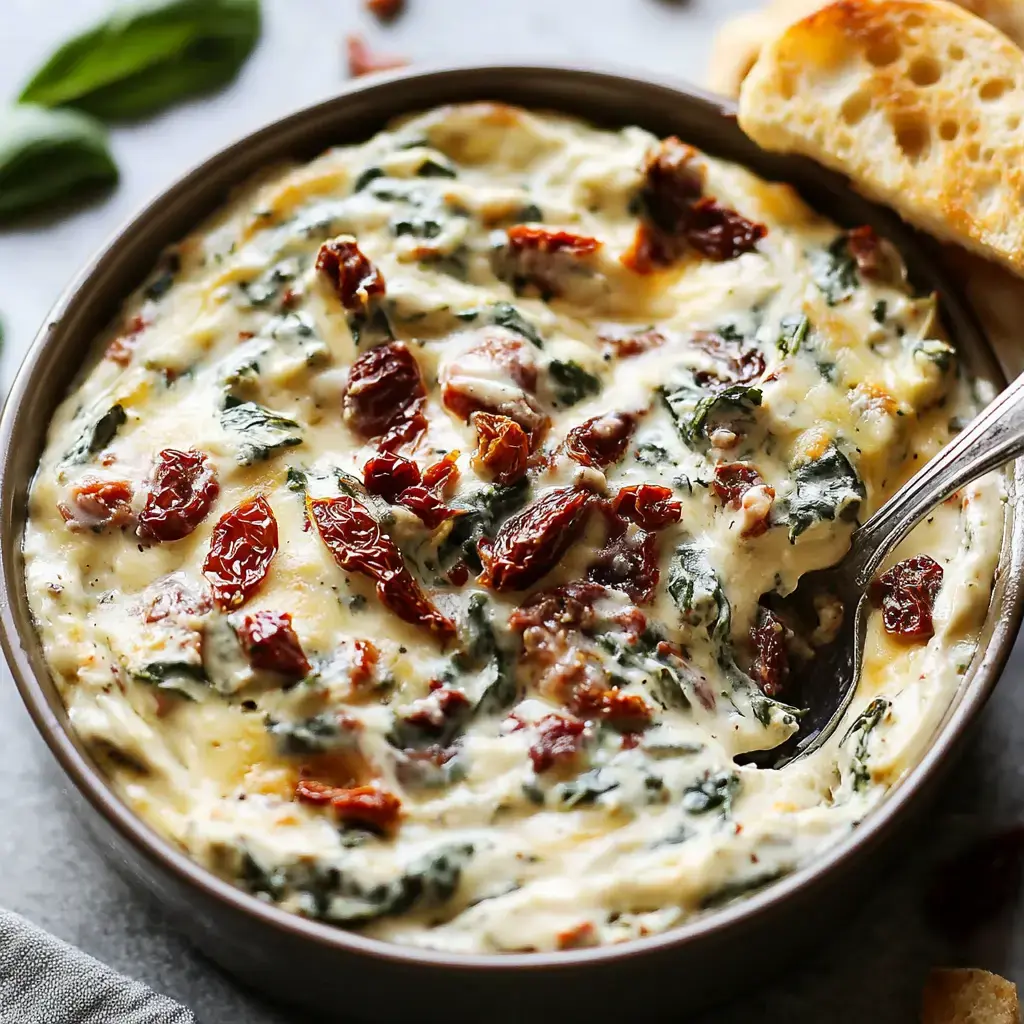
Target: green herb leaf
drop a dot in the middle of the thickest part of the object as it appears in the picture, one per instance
(697, 591)
(504, 314)
(262, 432)
(711, 792)
(826, 488)
(50, 156)
(693, 409)
(571, 382)
(96, 436)
(835, 271)
(792, 332)
(148, 55)
(863, 725)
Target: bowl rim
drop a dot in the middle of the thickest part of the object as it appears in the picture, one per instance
(17, 631)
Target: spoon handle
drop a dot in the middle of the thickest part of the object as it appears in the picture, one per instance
(993, 438)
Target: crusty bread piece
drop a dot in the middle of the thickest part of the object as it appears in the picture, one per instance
(740, 40)
(918, 102)
(968, 996)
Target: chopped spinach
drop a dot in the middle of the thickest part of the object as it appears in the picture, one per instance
(436, 167)
(483, 512)
(504, 314)
(372, 326)
(367, 176)
(694, 410)
(792, 333)
(262, 433)
(649, 454)
(530, 213)
(711, 792)
(417, 226)
(697, 591)
(879, 311)
(824, 488)
(296, 480)
(863, 725)
(935, 351)
(335, 895)
(835, 271)
(571, 383)
(315, 735)
(269, 286)
(182, 677)
(585, 788)
(494, 688)
(170, 267)
(96, 436)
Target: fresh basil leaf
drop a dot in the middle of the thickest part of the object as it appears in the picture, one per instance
(50, 156)
(147, 55)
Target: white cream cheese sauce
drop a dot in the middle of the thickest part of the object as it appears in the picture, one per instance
(642, 827)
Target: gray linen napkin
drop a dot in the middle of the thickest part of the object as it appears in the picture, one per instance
(46, 981)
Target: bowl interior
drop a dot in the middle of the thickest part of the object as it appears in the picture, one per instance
(601, 96)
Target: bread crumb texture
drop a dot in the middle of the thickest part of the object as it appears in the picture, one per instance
(918, 102)
(969, 996)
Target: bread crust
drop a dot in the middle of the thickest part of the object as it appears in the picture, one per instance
(918, 102)
(968, 996)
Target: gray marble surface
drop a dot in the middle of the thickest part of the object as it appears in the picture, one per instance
(873, 966)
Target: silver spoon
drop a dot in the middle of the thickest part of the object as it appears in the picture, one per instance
(993, 438)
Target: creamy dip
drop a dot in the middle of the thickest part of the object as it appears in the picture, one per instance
(405, 557)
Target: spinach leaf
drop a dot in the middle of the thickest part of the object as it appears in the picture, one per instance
(416, 226)
(96, 436)
(835, 271)
(863, 725)
(50, 156)
(494, 689)
(571, 383)
(697, 591)
(825, 488)
(371, 174)
(483, 512)
(585, 788)
(270, 285)
(436, 167)
(296, 480)
(315, 735)
(504, 314)
(182, 677)
(792, 333)
(935, 351)
(711, 792)
(694, 410)
(649, 454)
(336, 895)
(262, 432)
(163, 280)
(147, 55)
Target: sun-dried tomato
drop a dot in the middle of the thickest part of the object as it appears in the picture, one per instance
(96, 504)
(365, 656)
(623, 344)
(384, 390)
(406, 431)
(734, 363)
(458, 574)
(524, 238)
(559, 740)
(434, 712)
(733, 480)
(122, 348)
(385, 10)
(174, 596)
(357, 544)
(872, 255)
(601, 440)
(496, 374)
(442, 475)
(425, 504)
(771, 661)
(183, 486)
(270, 643)
(362, 60)
(568, 607)
(502, 448)
(530, 543)
(721, 234)
(649, 506)
(242, 546)
(388, 475)
(676, 216)
(360, 805)
(626, 711)
(353, 275)
(628, 562)
(541, 257)
(906, 595)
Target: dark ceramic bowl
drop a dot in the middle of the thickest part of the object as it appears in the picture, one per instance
(342, 974)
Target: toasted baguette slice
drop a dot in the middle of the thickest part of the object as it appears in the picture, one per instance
(740, 40)
(968, 996)
(918, 102)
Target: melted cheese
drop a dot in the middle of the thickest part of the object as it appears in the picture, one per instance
(632, 836)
